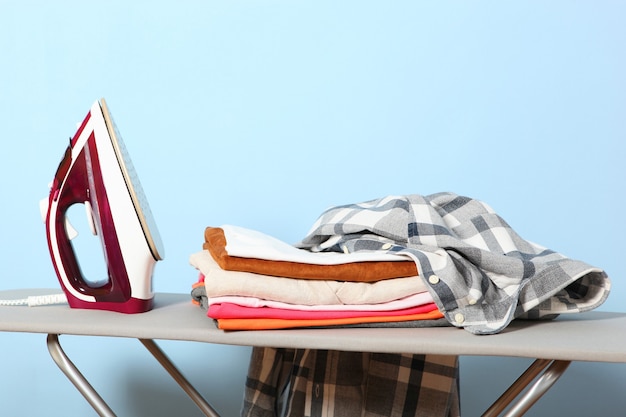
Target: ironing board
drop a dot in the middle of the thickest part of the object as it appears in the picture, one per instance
(593, 336)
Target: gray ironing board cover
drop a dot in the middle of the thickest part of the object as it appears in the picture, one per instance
(594, 336)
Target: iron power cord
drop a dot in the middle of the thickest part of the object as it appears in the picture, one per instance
(36, 300)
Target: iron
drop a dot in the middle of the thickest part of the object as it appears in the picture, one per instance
(97, 171)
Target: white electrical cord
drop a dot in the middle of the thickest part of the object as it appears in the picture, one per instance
(36, 300)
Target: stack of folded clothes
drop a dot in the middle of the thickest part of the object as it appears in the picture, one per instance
(252, 281)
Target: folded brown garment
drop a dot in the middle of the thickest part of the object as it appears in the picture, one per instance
(215, 243)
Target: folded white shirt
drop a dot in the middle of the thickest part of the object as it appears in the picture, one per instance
(248, 243)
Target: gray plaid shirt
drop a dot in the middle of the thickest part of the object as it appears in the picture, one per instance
(480, 272)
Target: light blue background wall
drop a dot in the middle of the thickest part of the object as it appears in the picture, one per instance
(263, 114)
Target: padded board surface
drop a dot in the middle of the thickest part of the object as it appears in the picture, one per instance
(594, 336)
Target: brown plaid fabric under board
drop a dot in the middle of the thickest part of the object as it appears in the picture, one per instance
(323, 383)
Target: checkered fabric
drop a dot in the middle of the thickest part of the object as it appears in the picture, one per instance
(481, 273)
(322, 383)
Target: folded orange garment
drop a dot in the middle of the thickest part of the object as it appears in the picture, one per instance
(273, 324)
(215, 243)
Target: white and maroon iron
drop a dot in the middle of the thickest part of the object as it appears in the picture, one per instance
(96, 171)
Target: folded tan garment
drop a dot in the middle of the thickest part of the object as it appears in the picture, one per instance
(215, 243)
(219, 283)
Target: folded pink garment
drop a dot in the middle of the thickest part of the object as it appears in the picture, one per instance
(234, 311)
(399, 304)
(268, 324)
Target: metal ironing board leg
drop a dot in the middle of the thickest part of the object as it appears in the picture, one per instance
(74, 375)
(96, 401)
(543, 384)
(555, 368)
(167, 364)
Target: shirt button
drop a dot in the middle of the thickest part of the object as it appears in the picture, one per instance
(459, 318)
(386, 246)
(433, 279)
